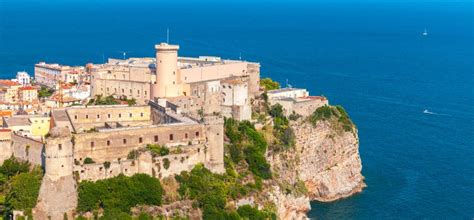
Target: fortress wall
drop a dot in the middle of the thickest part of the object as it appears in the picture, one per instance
(27, 149)
(131, 89)
(307, 108)
(86, 118)
(145, 163)
(213, 72)
(94, 145)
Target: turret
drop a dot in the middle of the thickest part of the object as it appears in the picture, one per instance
(167, 75)
(58, 153)
(215, 143)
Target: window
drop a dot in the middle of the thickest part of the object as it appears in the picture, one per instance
(123, 91)
(130, 114)
(75, 116)
(171, 137)
(60, 146)
(130, 91)
(197, 133)
(92, 143)
(156, 138)
(98, 116)
(108, 142)
(124, 141)
(145, 92)
(87, 116)
(140, 140)
(120, 115)
(108, 115)
(141, 114)
(138, 92)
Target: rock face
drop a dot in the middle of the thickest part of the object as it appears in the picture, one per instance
(325, 159)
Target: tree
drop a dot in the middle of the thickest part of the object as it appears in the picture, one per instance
(269, 84)
(13, 166)
(23, 190)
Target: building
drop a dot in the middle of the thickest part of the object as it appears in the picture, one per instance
(50, 74)
(296, 101)
(236, 99)
(33, 126)
(28, 93)
(23, 78)
(176, 79)
(9, 91)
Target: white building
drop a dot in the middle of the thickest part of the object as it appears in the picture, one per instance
(235, 99)
(23, 78)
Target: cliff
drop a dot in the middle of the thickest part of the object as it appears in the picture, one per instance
(324, 165)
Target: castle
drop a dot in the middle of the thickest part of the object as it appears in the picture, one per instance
(181, 103)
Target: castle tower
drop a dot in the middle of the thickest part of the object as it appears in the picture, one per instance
(58, 154)
(215, 143)
(58, 195)
(167, 75)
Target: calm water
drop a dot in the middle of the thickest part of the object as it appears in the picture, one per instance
(368, 56)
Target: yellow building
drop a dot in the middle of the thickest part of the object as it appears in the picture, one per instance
(35, 126)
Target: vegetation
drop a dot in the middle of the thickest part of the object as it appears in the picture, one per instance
(166, 163)
(45, 92)
(211, 191)
(285, 136)
(88, 160)
(249, 212)
(248, 144)
(327, 113)
(157, 150)
(12, 167)
(269, 84)
(118, 194)
(23, 189)
(99, 100)
(133, 154)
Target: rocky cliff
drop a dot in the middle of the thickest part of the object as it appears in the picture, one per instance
(324, 165)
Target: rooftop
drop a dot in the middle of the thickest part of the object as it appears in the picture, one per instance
(287, 89)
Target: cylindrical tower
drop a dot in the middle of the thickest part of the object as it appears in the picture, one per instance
(58, 153)
(167, 84)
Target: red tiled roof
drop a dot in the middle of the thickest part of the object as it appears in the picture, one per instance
(9, 83)
(28, 88)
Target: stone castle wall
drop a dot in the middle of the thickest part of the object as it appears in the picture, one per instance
(27, 149)
(145, 163)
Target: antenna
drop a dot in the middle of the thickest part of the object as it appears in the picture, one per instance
(167, 35)
(240, 55)
(124, 54)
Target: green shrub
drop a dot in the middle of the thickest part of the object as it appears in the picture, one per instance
(13, 166)
(157, 150)
(88, 160)
(249, 212)
(328, 112)
(133, 154)
(119, 193)
(23, 190)
(106, 164)
(166, 163)
(269, 84)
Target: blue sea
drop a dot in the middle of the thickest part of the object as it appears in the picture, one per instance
(369, 56)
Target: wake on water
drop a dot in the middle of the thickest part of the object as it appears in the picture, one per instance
(432, 113)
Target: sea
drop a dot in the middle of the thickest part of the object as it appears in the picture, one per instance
(410, 95)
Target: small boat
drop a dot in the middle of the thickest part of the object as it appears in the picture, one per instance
(426, 111)
(425, 33)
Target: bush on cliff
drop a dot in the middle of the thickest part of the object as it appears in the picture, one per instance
(326, 113)
(247, 143)
(285, 136)
(120, 193)
(211, 191)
